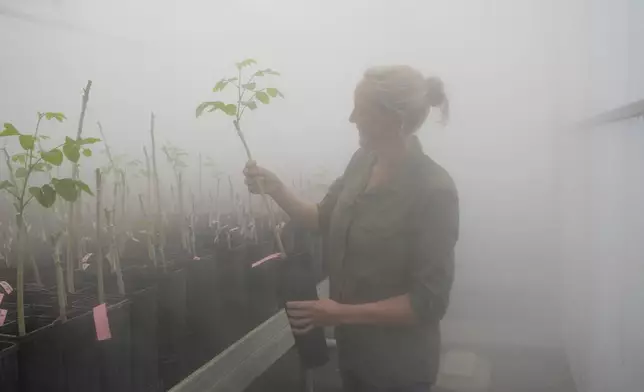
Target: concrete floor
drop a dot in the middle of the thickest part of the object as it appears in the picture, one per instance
(512, 369)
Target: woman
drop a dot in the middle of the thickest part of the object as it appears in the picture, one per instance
(391, 224)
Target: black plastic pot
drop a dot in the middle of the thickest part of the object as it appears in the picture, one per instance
(202, 310)
(144, 350)
(116, 352)
(81, 355)
(297, 282)
(40, 354)
(172, 328)
(111, 357)
(8, 367)
(232, 313)
(141, 290)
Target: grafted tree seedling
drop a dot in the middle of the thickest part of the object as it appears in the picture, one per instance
(249, 93)
(21, 167)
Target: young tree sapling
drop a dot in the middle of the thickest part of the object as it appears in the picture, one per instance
(32, 160)
(248, 95)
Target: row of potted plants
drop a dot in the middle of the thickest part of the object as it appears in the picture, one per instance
(118, 284)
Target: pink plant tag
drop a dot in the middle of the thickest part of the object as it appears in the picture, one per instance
(196, 258)
(265, 259)
(3, 316)
(101, 323)
(7, 287)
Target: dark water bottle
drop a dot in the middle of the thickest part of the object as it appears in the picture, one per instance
(297, 282)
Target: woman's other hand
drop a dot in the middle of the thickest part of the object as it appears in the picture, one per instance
(254, 174)
(306, 315)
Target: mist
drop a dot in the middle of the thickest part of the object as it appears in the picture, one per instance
(519, 76)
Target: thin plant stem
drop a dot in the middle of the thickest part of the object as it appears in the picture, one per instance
(99, 242)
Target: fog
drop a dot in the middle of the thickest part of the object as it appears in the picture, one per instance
(515, 72)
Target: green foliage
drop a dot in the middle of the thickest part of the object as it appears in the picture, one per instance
(245, 63)
(273, 92)
(72, 152)
(262, 97)
(66, 188)
(230, 109)
(9, 130)
(27, 141)
(252, 105)
(35, 159)
(248, 92)
(53, 115)
(45, 195)
(87, 140)
(21, 172)
(83, 187)
(55, 156)
(267, 71)
(6, 184)
(20, 158)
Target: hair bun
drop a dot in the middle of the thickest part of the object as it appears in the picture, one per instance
(435, 91)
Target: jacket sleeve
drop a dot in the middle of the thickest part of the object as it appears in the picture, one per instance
(432, 262)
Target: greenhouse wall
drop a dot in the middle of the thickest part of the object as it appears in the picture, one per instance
(602, 184)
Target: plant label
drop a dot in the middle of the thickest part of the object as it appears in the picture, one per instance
(1, 297)
(7, 287)
(102, 323)
(274, 256)
(3, 316)
(86, 258)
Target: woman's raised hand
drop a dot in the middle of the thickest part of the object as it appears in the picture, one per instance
(256, 174)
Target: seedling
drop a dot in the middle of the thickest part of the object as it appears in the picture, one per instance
(249, 93)
(21, 167)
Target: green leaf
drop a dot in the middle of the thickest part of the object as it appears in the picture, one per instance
(212, 106)
(249, 86)
(27, 142)
(203, 106)
(84, 187)
(273, 92)
(72, 152)
(266, 71)
(262, 97)
(69, 140)
(66, 188)
(20, 158)
(220, 85)
(88, 140)
(45, 195)
(245, 63)
(252, 105)
(87, 152)
(9, 130)
(230, 109)
(55, 156)
(21, 172)
(58, 116)
(6, 184)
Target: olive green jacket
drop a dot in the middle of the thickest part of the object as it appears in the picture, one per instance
(388, 241)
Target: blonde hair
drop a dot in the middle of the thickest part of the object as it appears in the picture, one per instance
(406, 91)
